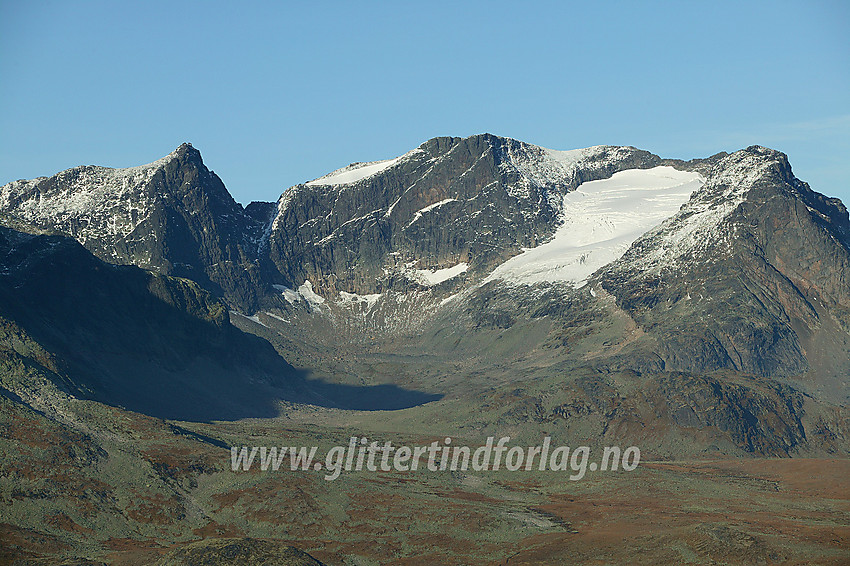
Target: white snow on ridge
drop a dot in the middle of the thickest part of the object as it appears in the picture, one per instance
(109, 201)
(353, 173)
(543, 166)
(699, 224)
(601, 220)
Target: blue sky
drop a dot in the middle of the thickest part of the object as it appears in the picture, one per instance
(274, 94)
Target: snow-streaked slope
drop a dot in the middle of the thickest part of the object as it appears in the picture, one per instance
(355, 300)
(601, 220)
(354, 172)
(543, 166)
(700, 223)
(88, 201)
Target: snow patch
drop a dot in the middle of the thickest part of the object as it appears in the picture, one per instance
(601, 219)
(353, 173)
(430, 277)
(303, 293)
(306, 291)
(252, 318)
(280, 318)
(256, 319)
(291, 296)
(352, 299)
(430, 207)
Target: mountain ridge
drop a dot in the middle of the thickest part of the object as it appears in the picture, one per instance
(173, 216)
(255, 226)
(740, 287)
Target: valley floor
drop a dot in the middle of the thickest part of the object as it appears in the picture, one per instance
(116, 487)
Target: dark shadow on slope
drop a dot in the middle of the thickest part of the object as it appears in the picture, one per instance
(152, 344)
(205, 391)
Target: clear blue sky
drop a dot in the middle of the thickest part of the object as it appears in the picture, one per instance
(274, 94)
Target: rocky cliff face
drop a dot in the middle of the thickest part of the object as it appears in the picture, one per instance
(173, 216)
(474, 201)
(484, 262)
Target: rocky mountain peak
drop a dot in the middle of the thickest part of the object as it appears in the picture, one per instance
(173, 216)
(514, 256)
(187, 147)
(451, 202)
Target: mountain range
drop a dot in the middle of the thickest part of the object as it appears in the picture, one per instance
(472, 287)
(606, 288)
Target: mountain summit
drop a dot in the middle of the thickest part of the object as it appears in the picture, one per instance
(606, 288)
(173, 216)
